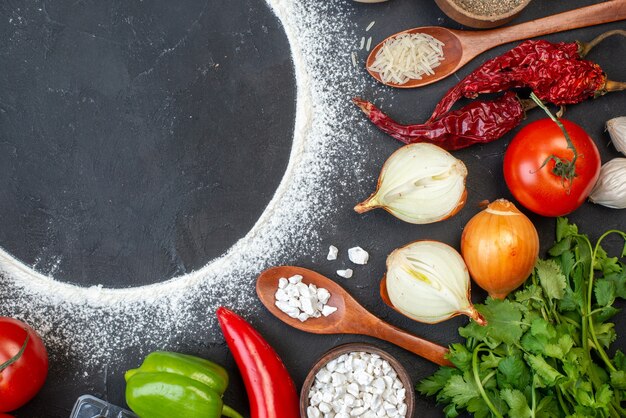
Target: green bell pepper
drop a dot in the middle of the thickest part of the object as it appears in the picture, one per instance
(177, 385)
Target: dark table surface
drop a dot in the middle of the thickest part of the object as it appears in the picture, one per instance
(141, 139)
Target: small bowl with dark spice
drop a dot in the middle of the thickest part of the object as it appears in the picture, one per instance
(357, 379)
(482, 14)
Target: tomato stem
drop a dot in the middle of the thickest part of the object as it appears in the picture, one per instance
(563, 167)
(17, 356)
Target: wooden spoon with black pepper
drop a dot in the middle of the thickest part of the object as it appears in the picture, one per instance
(350, 317)
(463, 46)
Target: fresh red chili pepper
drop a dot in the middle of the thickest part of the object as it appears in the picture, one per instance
(271, 390)
(555, 72)
(478, 122)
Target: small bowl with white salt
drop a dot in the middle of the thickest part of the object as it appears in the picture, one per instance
(357, 379)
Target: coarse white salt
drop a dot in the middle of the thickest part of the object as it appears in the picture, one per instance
(346, 274)
(332, 253)
(302, 301)
(347, 386)
(358, 255)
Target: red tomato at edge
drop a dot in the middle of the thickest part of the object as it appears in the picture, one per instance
(20, 381)
(536, 187)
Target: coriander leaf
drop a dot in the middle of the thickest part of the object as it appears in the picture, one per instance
(479, 408)
(551, 278)
(581, 411)
(541, 327)
(560, 247)
(603, 396)
(548, 374)
(513, 372)
(584, 393)
(503, 320)
(489, 361)
(433, 384)
(606, 313)
(460, 356)
(605, 263)
(560, 349)
(460, 390)
(619, 280)
(605, 333)
(618, 379)
(517, 403)
(532, 292)
(605, 292)
(623, 254)
(548, 407)
(534, 343)
(571, 301)
(450, 411)
(564, 229)
(620, 360)
(531, 298)
(567, 261)
(478, 332)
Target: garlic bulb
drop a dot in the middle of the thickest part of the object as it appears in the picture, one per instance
(610, 189)
(429, 282)
(617, 131)
(419, 183)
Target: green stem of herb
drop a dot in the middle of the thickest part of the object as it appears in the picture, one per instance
(595, 311)
(592, 331)
(18, 355)
(614, 412)
(559, 396)
(481, 389)
(570, 321)
(486, 378)
(533, 400)
(621, 412)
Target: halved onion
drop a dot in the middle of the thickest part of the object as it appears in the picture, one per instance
(419, 183)
(428, 281)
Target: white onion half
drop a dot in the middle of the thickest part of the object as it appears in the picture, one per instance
(419, 183)
(429, 282)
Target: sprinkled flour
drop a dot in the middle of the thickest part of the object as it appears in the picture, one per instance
(90, 326)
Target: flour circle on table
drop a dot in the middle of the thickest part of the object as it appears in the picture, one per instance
(91, 324)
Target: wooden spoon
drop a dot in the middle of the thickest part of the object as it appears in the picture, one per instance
(463, 46)
(350, 317)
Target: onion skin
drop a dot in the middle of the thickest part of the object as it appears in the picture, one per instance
(500, 246)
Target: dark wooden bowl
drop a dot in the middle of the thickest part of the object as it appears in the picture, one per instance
(457, 13)
(349, 348)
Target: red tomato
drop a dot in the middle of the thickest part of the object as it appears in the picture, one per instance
(538, 188)
(21, 380)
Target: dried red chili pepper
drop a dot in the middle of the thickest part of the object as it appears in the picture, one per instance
(556, 73)
(477, 123)
(270, 389)
(495, 75)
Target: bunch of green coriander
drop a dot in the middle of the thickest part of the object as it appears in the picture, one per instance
(545, 349)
